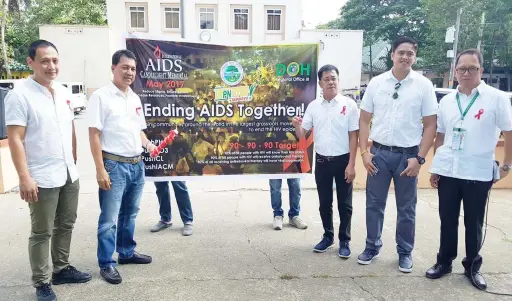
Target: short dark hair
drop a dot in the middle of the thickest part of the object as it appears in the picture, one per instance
(472, 51)
(327, 68)
(116, 57)
(32, 49)
(403, 40)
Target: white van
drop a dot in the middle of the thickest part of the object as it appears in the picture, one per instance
(9, 84)
(77, 90)
(441, 92)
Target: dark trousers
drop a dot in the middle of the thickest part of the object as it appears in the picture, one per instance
(326, 170)
(474, 199)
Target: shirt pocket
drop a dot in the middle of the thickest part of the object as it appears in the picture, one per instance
(412, 106)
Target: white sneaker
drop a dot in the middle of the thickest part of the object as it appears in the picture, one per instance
(298, 222)
(187, 230)
(278, 223)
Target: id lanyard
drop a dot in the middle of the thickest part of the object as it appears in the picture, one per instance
(463, 114)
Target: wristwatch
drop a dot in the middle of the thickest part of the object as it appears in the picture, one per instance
(421, 160)
(506, 167)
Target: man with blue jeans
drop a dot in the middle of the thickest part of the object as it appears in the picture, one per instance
(276, 201)
(401, 107)
(116, 124)
(184, 206)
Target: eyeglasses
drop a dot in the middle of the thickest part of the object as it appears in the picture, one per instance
(333, 79)
(471, 70)
(397, 86)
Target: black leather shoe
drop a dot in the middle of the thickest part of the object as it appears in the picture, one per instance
(136, 259)
(438, 271)
(477, 280)
(70, 275)
(111, 275)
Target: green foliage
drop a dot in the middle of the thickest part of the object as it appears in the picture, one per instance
(427, 22)
(23, 25)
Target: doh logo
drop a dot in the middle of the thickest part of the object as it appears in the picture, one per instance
(293, 69)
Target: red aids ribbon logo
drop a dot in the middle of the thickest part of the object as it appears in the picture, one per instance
(137, 110)
(68, 102)
(300, 154)
(344, 111)
(480, 112)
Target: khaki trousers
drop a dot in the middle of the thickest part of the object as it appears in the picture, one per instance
(53, 216)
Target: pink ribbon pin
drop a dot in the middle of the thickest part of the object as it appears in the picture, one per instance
(344, 110)
(480, 112)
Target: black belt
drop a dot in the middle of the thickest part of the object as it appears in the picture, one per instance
(132, 160)
(330, 158)
(396, 149)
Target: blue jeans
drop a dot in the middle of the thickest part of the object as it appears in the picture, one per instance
(390, 165)
(182, 199)
(275, 196)
(119, 208)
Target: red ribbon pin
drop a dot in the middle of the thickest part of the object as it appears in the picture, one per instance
(68, 102)
(137, 110)
(480, 112)
(344, 111)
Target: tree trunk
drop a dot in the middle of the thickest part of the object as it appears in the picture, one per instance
(5, 11)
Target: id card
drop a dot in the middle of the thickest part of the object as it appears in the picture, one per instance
(459, 135)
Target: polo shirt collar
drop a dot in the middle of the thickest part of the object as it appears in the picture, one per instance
(411, 76)
(114, 90)
(337, 99)
(480, 88)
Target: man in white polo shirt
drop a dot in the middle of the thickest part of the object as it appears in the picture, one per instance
(468, 129)
(42, 141)
(401, 107)
(335, 121)
(116, 124)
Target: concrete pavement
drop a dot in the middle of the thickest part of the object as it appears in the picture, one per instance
(234, 254)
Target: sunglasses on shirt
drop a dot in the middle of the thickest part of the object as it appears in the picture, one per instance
(397, 86)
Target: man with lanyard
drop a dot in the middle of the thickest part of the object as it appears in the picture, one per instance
(116, 124)
(42, 142)
(468, 129)
(398, 100)
(335, 120)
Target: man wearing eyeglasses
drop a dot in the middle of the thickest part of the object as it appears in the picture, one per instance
(403, 106)
(335, 120)
(468, 129)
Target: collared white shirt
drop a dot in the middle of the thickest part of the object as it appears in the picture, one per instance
(120, 118)
(490, 113)
(398, 122)
(49, 131)
(331, 121)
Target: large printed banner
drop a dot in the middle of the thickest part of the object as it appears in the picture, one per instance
(232, 106)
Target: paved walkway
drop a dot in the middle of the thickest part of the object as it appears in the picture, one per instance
(234, 254)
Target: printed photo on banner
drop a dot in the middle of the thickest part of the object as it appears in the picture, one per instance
(230, 107)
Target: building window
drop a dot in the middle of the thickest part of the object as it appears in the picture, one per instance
(241, 19)
(137, 17)
(172, 17)
(274, 18)
(207, 18)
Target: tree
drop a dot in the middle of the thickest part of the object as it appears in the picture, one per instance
(9, 6)
(23, 24)
(496, 38)
(383, 20)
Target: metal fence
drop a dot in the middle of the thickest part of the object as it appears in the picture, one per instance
(3, 128)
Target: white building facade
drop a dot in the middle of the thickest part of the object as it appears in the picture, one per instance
(227, 22)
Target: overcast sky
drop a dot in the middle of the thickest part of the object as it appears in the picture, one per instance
(320, 11)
